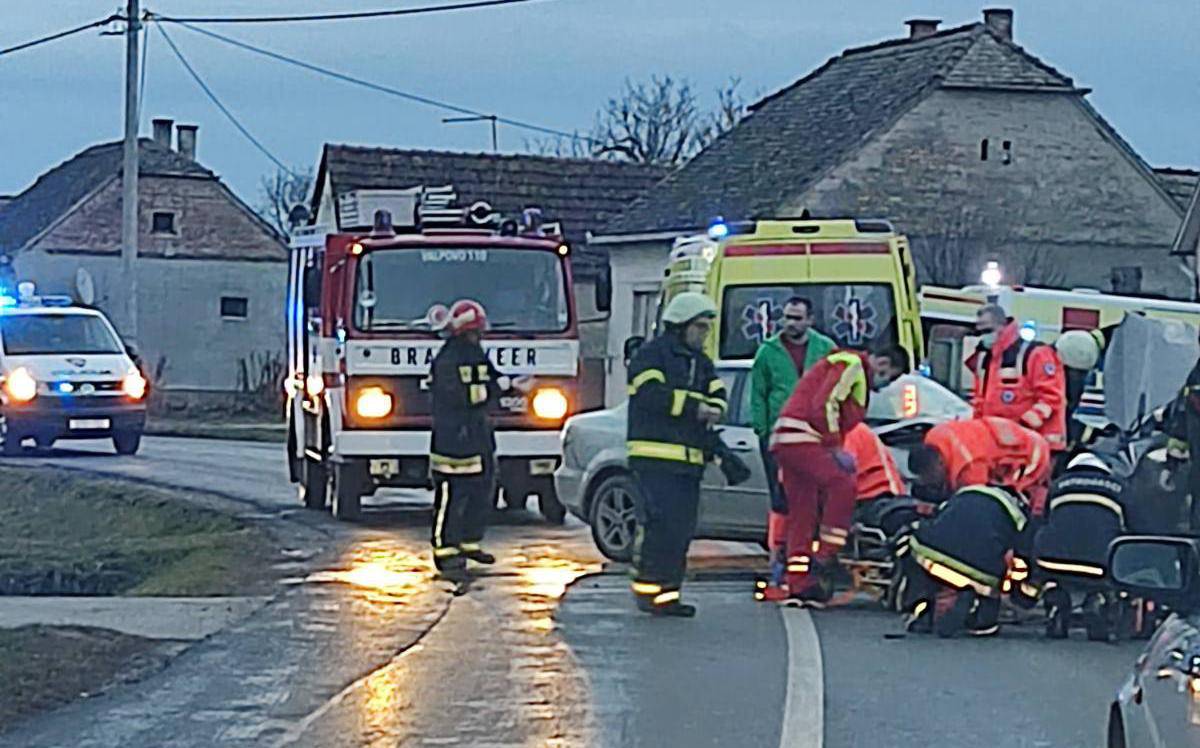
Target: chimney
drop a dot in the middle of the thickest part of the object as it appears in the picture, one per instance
(1000, 21)
(162, 132)
(919, 28)
(186, 135)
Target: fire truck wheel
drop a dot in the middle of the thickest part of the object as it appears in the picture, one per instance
(127, 442)
(551, 508)
(345, 491)
(314, 484)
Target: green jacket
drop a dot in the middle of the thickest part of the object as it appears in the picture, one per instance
(774, 376)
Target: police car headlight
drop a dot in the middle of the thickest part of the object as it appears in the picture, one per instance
(134, 385)
(373, 402)
(550, 403)
(20, 385)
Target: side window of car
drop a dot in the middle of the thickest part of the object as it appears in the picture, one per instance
(738, 390)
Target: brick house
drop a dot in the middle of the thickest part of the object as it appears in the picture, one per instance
(972, 146)
(211, 273)
(580, 193)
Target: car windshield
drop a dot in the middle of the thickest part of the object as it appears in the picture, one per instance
(912, 396)
(522, 290)
(29, 334)
(856, 316)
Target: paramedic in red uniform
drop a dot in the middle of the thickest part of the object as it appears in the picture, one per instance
(818, 474)
(1018, 379)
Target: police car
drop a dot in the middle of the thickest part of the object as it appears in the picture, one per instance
(65, 374)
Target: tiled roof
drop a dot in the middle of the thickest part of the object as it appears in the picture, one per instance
(581, 193)
(793, 137)
(57, 191)
(1180, 184)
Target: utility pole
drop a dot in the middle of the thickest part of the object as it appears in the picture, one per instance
(129, 178)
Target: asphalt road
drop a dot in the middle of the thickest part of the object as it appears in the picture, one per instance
(363, 647)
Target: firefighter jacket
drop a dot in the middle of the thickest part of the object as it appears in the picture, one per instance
(877, 474)
(965, 544)
(465, 383)
(990, 451)
(1183, 426)
(1022, 381)
(667, 383)
(829, 400)
(1085, 514)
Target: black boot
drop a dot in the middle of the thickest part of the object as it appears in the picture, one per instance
(480, 556)
(674, 610)
(952, 622)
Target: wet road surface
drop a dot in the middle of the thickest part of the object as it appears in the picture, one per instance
(363, 647)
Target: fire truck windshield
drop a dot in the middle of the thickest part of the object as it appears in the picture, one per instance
(522, 290)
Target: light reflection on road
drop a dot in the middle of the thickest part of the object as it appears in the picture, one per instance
(381, 571)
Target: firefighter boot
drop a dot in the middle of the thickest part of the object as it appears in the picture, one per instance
(473, 552)
(954, 621)
(985, 619)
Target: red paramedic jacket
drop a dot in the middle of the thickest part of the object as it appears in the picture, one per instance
(1023, 382)
(828, 401)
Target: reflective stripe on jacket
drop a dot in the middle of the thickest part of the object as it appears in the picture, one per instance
(829, 400)
(966, 543)
(1024, 382)
(464, 383)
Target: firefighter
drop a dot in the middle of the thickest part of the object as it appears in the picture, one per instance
(675, 397)
(818, 474)
(1084, 515)
(1183, 446)
(1079, 351)
(778, 364)
(1018, 378)
(957, 561)
(980, 451)
(462, 455)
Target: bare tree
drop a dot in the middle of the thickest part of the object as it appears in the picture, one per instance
(280, 192)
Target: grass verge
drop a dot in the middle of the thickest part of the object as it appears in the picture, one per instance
(256, 431)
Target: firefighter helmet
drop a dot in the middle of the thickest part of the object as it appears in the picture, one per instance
(465, 316)
(1088, 460)
(687, 306)
(1078, 349)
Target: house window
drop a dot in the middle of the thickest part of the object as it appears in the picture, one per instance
(234, 307)
(983, 149)
(645, 303)
(162, 222)
(1006, 146)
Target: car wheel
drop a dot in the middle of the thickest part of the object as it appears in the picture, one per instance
(1116, 728)
(127, 442)
(345, 491)
(314, 484)
(45, 442)
(613, 517)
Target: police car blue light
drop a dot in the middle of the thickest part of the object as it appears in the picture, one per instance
(66, 388)
(718, 230)
(7, 301)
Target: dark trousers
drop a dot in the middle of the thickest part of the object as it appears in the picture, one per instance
(666, 522)
(774, 487)
(461, 505)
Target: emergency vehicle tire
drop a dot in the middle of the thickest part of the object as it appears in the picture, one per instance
(44, 442)
(127, 442)
(612, 516)
(294, 463)
(345, 492)
(314, 484)
(11, 447)
(551, 508)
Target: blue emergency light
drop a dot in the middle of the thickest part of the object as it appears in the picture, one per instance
(718, 229)
(6, 300)
(1028, 331)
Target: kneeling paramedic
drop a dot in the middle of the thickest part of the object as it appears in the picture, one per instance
(675, 398)
(462, 456)
(957, 561)
(818, 474)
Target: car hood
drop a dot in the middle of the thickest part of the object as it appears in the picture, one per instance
(610, 419)
(82, 367)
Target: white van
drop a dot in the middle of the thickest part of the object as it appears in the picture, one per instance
(65, 374)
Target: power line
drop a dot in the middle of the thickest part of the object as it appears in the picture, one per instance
(382, 88)
(342, 16)
(61, 34)
(217, 102)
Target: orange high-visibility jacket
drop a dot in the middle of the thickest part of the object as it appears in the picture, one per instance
(877, 471)
(1024, 382)
(991, 452)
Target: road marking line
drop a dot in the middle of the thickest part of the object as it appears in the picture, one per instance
(804, 705)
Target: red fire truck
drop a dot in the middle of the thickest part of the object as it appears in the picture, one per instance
(364, 313)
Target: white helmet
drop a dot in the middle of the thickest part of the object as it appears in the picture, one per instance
(1078, 349)
(1088, 460)
(687, 306)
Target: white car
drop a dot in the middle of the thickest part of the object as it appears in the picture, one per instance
(65, 374)
(595, 484)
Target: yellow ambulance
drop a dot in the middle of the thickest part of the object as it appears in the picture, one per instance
(858, 274)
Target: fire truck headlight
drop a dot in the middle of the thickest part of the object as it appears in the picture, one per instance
(21, 386)
(373, 402)
(134, 385)
(550, 403)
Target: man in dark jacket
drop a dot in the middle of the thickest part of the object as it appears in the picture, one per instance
(1183, 446)
(675, 397)
(958, 561)
(462, 455)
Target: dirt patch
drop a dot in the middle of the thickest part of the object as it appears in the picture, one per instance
(44, 667)
(62, 534)
(260, 430)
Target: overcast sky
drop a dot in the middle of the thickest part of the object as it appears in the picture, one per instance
(551, 62)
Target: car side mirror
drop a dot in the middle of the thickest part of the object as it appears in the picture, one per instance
(632, 344)
(1158, 567)
(604, 289)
